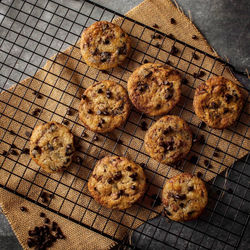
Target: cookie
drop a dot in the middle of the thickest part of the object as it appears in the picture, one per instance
(117, 182)
(104, 106)
(154, 89)
(104, 45)
(184, 197)
(168, 140)
(218, 102)
(52, 146)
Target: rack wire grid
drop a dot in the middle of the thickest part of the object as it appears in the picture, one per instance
(31, 33)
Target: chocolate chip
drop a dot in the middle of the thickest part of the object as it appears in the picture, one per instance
(95, 138)
(47, 220)
(54, 226)
(50, 147)
(142, 87)
(133, 187)
(69, 149)
(206, 163)
(105, 56)
(158, 106)
(194, 37)
(31, 243)
(199, 174)
(25, 151)
(84, 134)
(167, 130)
(144, 126)
(156, 26)
(13, 152)
(69, 111)
(174, 50)
(84, 97)
(133, 176)
(214, 105)
(99, 91)
(215, 154)
(23, 209)
(191, 188)
(121, 192)
(145, 60)
(226, 110)
(182, 205)
(118, 176)
(42, 215)
(181, 197)
(36, 112)
(106, 41)
(157, 45)
(143, 165)
(195, 57)
(5, 153)
(119, 141)
(128, 168)
(184, 81)
(193, 159)
(108, 94)
(168, 146)
(90, 111)
(202, 125)
(168, 96)
(110, 181)
(202, 73)
(171, 35)
(65, 122)
(122, 50)
(201, 139)
(172, 21)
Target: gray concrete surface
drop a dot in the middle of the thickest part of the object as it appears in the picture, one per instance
(226, 25)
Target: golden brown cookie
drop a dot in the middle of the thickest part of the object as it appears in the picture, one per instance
(104, 45)
(154, 89)
(168, 140)
(218, 102)
(184, 197)
(52, 146)
(104, 106)
(117, 182)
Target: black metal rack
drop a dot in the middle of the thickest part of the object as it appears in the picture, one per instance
(31, 33)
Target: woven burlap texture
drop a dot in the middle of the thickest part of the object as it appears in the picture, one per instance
(61, 82)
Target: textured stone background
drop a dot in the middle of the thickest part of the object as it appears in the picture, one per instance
(225, 24)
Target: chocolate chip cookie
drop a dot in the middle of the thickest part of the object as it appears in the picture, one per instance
(218, 102)
(104, 106)
(117, 182)
(168, 140)
(52, 146)
(104, 45)
(184, 197)
(154, 89)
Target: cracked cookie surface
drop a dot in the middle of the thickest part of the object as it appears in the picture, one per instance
(218, 102)
(52, 146)
(104, 45)
(117, 182)
(154, 89)
(168, 140)
(104, 106)
(184, 197)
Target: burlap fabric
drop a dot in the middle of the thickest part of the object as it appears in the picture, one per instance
(61, 82)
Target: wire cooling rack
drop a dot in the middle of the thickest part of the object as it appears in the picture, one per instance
(31, 33)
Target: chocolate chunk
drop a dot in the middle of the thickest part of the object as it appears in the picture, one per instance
(50, 147)
(13, 145)
(42, 215)
(23, 209)
(146, 61)
(202, 125)
(84, 97)
(122, 50)
(199, 74)
(181, 197)
(168, 146)
(144, 126)
(119, 141)
(143, 165)
(25, 151)
(194, 159)
(215, 154)
(214, 105)
(206, 163)
(69, 149)
(95, 52)
(31, 243)
(194, 37)
(99, 91)
(106, 41)
(54, 226)
(118, 176)
(47, 220)
(168, 95)
(110, 181)
(142, 87)
(191, 188)
(128, 168)
(36, 150)
(95, 138)
(199, 174)
(108, 94)
(174, 50)
(171, 35)
(133, 187)
(156, 26)
(182, 205)
(36, 112)
(167, 130)
(228, 98)
(133, 176)
(195, 57)
(157, 45)
(5, 153)
(121, 192)
(13, 152)
(184, 81)
(69, 111)
(65, 122)
(172, 21)
(201, 139)
(158, 106)
(90, 111)
(226, 110)
(105, 56)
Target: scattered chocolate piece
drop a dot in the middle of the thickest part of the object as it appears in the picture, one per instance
(23, 209)
(145, 60)
(79, 160)
(118, 176)
(157, 45)
(158, 106)
(25, 151)
(95, 138)
(84, 134)
(174, 50)
(184, 81)
(144, 126)
(90, 111)
(168, 62)
(13, 145)
(13, 152)
(128, 168)
(99, 91)
(84, 97)
(47, 220)
(156, 200)
(42, 215)
(182, 205)
(36, 112)
(119, 141)
(171, 35)
(194, 37)
(108, 94)
(172, 21)
(69, 111)
(194, 159)
(202, 125)
(199, 174)
(27, 133)
(143, 165)
(195, 57)
(54, 226)
(65, 122)
(215, 154)
(12, 132)
(133, 187)
(110, 181)
(69, 150)
(230, 190)
(201, 139)
(105, 71)
(5, 153)
(191, 188)
(156, 26)
(206, 163)
(133, 176)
